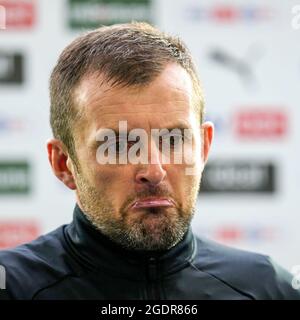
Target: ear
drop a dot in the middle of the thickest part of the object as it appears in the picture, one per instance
(61, 163)
(207, 129)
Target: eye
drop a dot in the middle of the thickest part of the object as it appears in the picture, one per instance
(119, 146)
(175, 140)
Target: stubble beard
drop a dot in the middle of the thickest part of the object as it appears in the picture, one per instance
(153, 229)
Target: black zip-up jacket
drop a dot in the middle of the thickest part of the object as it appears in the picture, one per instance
(76, 261)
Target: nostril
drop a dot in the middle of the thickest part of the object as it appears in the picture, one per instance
(152, 176)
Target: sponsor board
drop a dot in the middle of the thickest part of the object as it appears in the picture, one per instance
(19, 14)
(11, 68)
(15, 177)
(237, 233)
(242, 66)
(232, 176)
(2, 18)
(261, 123)
(9, 125)
(13, 233)
(228, 13)
(94, 13)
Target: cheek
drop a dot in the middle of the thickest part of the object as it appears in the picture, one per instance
(111, 180)
(182, 183)
(115, 183)
(192, 152)
(103, 177)
(178, 179)
(97, 174)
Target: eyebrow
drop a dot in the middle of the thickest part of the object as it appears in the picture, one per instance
(181, 125)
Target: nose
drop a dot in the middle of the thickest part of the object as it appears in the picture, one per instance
(153, 173)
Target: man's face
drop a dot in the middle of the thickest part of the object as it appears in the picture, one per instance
(106, 192)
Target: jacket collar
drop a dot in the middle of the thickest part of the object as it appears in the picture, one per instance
(95, 251)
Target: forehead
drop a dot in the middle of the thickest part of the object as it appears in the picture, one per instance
(167, 98)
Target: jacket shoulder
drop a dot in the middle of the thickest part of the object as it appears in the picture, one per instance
(254, 275)
(33, 266)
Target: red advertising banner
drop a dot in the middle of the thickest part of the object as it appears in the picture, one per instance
(19, 14)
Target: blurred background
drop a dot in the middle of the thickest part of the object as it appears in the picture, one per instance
(248, 57)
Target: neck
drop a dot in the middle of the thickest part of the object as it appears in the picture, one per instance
(97, 250)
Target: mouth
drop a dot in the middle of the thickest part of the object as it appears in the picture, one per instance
(152, 203)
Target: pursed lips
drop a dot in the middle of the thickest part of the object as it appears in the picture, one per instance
(152, 202)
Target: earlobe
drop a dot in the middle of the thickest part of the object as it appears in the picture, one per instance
(58, 159)
(208, 133)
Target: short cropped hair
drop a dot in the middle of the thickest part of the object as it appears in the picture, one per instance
(131, 54)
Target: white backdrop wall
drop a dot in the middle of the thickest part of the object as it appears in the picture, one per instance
(248, 57)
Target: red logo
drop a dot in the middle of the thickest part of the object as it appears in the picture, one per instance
(20, 14)
(13, 233)
(225, 13)
(261, 124)
(230, 14)
(235, 233)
